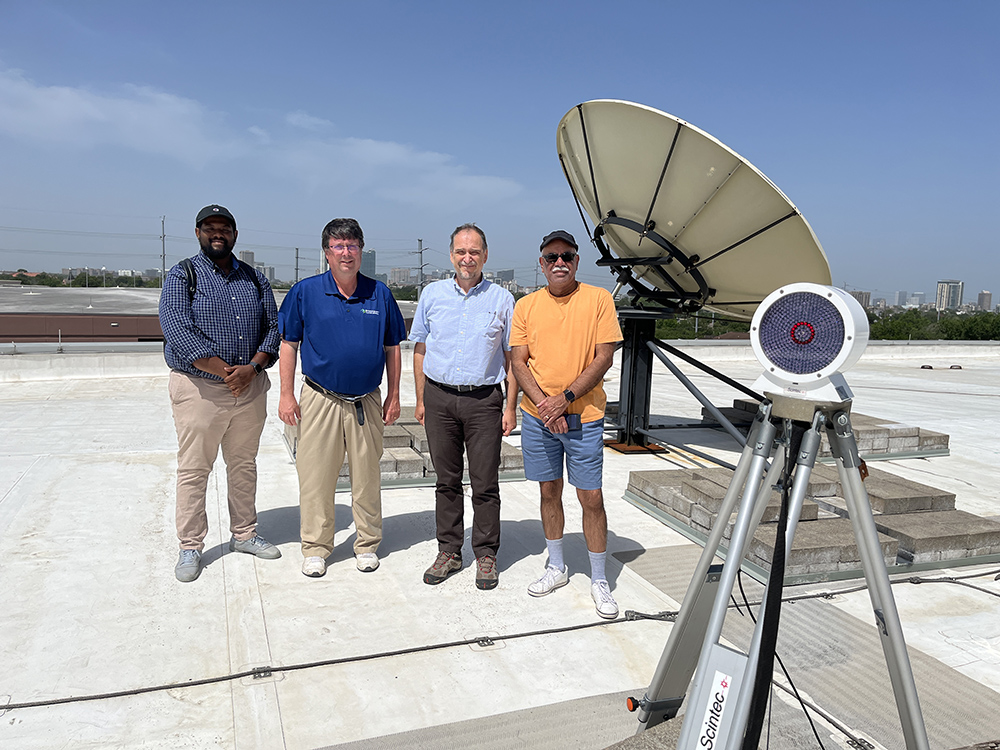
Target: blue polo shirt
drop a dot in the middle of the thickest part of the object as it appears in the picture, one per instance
(342, 339)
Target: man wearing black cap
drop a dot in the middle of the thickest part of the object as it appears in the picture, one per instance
(562, 341)
(220, 331)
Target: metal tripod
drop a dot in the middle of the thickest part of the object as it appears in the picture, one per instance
(721, 691)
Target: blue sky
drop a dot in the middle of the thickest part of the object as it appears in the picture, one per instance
(877, 119)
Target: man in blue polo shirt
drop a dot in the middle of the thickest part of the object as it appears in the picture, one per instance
(347, 328)
(460, 359)
(220, 333)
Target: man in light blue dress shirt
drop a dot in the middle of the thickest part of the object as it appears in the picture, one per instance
(460, 361)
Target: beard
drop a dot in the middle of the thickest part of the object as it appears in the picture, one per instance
(212, 253)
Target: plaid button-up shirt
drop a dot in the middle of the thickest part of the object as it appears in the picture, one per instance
(227, 318)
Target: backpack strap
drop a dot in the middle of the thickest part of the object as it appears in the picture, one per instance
(192, 279)
(256, 282)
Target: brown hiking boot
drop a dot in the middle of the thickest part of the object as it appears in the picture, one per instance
(487, 575)
(444, 565)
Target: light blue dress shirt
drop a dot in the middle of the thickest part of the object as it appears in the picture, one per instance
(466, 334)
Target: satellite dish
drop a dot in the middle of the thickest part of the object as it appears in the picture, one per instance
(713, 230)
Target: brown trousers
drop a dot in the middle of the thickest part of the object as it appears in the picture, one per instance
(470, 423)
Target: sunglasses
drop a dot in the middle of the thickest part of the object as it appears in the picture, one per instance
(553, 257)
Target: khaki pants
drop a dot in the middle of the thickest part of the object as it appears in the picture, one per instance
(206, 417)
(329, 429)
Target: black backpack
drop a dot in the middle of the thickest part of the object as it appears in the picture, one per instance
(192, 280)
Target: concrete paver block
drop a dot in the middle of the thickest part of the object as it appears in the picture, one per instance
(418, 436)
(511, 458)
(941, 535)
(408, 463)
(396, 436)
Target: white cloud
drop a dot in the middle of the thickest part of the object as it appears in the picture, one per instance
(145, 120)
(306, 121)
(391, 171)
(262, 136)
(138, 118)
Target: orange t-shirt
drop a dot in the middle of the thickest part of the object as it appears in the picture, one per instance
(561, 334)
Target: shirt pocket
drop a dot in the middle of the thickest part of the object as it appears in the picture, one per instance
(489, 325)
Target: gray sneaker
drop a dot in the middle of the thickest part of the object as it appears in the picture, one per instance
(188, 565)
(257, 546)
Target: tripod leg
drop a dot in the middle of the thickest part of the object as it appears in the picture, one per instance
(805, 460)
(904, 688)
(677, 663)
(720, 667)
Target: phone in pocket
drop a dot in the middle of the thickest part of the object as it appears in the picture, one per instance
(573, 422)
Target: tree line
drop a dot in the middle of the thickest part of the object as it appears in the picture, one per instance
(915, 325)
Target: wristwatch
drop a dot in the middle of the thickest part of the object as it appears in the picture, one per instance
(569, 395)
(256, 367)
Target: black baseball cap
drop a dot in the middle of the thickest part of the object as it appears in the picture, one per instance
(559, 234)
(215, 210)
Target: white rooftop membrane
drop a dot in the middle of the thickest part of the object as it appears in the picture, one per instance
(91, 605)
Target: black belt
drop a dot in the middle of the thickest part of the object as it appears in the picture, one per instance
(463, 389)
(356, 400)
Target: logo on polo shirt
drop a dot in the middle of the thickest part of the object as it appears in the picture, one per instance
(366, 311)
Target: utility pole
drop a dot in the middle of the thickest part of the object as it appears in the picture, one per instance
(296, 265)
(163, 250)
(420, 267)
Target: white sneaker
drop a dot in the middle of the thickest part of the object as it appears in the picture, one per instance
(314, 567)
(367, 561)
(552, 579)
(606, 605)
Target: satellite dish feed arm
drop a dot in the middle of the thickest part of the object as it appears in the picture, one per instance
(675, 295)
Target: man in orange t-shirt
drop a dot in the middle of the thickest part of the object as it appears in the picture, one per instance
(562, 342)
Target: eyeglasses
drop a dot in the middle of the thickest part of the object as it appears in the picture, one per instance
(553, 257)
(349, 248)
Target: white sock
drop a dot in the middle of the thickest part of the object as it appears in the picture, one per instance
(555, 553)
(597, 565)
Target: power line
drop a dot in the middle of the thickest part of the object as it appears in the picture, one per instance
(76, 232)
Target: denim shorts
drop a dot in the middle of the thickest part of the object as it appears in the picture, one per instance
(543, 453)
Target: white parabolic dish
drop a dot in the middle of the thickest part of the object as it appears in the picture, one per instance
(731, 234)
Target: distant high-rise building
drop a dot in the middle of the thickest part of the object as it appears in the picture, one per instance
(917, 299)
(949, 294)
(506, 274)
(268, 271)
(246, 256)
(865, 298)
(985, 300)
(400, 276)
(368, 263)
(900, 298)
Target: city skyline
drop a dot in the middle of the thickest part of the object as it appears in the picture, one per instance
(897, 298)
